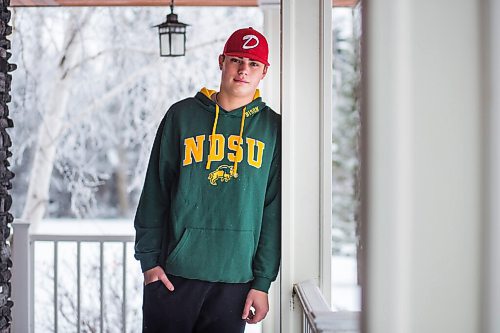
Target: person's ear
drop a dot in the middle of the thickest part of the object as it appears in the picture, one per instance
(221, 61)
(264, 72)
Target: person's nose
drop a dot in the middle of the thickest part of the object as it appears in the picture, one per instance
(243, 68)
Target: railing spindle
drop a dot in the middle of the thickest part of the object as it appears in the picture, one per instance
(56, 250)
(124, 291)
(78, 286)
(101, 282)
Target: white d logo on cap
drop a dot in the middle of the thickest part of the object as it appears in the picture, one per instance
(248, 39)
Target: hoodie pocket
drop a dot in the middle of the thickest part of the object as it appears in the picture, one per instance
(213, 255)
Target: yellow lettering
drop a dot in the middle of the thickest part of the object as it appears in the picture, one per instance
(234, 144)
(218, 151)
(193, 149)
(255, 162)
(252, 111)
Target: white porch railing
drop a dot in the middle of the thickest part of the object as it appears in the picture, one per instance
(317, 316)
(59, 236)
(21, 312)
(24, 274)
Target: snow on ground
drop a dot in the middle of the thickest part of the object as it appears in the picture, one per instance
(346, 294)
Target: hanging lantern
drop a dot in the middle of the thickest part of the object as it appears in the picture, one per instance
(172, 35)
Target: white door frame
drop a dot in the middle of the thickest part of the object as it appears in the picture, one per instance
(306, 91)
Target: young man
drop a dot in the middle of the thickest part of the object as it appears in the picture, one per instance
(208, 223)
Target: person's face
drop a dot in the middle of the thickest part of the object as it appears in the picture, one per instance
(240, 76)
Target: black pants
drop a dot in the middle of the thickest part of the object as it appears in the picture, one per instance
(194, 306)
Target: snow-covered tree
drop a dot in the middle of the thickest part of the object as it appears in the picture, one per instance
(91, 91)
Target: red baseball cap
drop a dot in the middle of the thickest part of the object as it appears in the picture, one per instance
(247, 43)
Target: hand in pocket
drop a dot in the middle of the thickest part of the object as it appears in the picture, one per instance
(155, 274)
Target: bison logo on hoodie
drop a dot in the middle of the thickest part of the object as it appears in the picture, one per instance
(223, 172)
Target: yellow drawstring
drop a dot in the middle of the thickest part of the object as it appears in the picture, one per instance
(240, 142)
(212, 145)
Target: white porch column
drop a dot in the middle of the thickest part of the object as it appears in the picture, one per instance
(305, 100)
(271, 84)
(21, 282)
(271, 93)
(424, 115)
(492, 290)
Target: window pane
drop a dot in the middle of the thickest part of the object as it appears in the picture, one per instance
(345, 158)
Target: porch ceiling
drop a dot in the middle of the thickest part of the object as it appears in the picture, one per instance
(93, 3)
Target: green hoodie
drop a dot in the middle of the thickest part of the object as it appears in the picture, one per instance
(210, 209)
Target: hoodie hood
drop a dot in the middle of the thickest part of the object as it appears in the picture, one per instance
(249, 110)
(255, 106)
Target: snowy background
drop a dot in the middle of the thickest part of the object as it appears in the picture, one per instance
(88, 95)
(91, 86)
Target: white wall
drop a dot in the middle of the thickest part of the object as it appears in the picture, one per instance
(424, 117)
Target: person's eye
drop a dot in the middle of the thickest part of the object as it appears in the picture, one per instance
(254, 64)
(235, 60)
